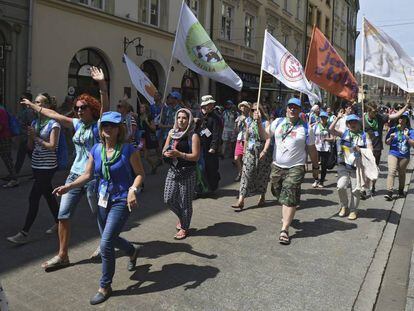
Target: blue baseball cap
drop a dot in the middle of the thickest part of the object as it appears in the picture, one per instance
(230, 102)
(352, 117)
(406, 114)
(324, 114)
(176, 95)
(295, 101)
(111, 117)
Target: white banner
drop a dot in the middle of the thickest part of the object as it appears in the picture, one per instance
(140, 80)
(195, 50)
(281, 64)
(383, 57)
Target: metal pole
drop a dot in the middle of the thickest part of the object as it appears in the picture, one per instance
(172, 54)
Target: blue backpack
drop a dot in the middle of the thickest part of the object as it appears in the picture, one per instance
(62, 150)
(14, 124)
(95, 131)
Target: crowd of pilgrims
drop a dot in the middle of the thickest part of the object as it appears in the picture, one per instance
(266, 145)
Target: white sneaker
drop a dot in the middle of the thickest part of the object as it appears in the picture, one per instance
(19, 238)
(52, 229)
(315, 184)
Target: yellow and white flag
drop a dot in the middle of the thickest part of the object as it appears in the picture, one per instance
(383, 57)
(195, 50)
(140, 80)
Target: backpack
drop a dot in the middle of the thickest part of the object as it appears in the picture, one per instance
(62, 149)
(95, 131)
(305, 126)
(14, 124)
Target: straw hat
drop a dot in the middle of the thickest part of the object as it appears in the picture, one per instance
(244, 103)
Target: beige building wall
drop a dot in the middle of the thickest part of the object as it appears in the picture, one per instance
(285, 20)
(62, 28)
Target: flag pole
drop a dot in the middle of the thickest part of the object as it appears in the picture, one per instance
(362, 72)
(172, 56)
(261, 72)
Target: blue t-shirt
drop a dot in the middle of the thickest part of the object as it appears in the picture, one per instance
(83, 139)
(121, 172)
(399, 146)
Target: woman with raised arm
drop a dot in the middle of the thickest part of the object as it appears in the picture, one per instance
(181, 151)
(85, 126)
(400, 138)
(118, 168)
(43, 137)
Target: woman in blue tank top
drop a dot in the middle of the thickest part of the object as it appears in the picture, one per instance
(119, 172)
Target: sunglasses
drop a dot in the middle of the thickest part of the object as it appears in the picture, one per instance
(83, 107)
(253, 110)
(110, 124)
(293, 107)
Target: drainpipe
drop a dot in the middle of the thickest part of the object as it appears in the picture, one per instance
(29, 48)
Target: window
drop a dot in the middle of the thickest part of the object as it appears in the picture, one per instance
(285, 5)
(285, 40)
(149, 12)
(271, 29)
(318, 19)
(327, 26)
(248, 30)
(97, 4)
(310, 15)
(297, 48)
(194, 5)
(79, 77)
(299, 9)
(226, 21)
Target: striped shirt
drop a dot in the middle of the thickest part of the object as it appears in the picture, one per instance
(42, 158)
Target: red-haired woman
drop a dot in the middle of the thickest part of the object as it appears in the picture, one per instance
(88, 111)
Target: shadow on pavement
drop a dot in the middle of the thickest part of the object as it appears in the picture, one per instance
(223, 229)
(266, 204)
(378, 215)
(316, 191)
(171, 276)
(319, 226)
(84, 228)
(311, 203)
(156, 249)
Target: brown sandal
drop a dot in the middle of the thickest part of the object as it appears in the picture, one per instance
(238, 205)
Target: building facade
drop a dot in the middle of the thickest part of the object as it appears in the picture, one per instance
(14, 50)
(344, 32)
(381, 91)
(71, 36)
(239, 33)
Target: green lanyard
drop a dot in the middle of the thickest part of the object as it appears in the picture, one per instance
(288, 127)
(354, 137)
(400, 133)
(106, 164)
(372, 123)
(322, 129)
(41, 124)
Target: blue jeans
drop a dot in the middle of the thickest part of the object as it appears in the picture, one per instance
(111, 221)
(70, 200)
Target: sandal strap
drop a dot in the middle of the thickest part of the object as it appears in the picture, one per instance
(284, 231)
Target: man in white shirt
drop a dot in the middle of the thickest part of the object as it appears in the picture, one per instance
(293, 141)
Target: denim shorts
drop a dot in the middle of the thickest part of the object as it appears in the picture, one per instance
(70, 200)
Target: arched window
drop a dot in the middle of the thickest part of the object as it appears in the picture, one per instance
(149, 68)
(190, 86)
(80, 80)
